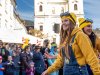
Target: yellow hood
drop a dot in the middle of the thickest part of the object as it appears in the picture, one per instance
(75, 31)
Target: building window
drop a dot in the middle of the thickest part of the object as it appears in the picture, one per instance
(0, 22)
(75, 6)
(6, 7)
(56, 28)
(53, 10)
(0, 2)
(62, 10)
(5, 23)
(6, 11)
(41, 28)
(10, 26)
(40, 8)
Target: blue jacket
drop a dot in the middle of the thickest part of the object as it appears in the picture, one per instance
(53, 53)
(1, 72)
(39, 62)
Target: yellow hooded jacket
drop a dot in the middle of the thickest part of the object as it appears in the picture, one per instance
(83, 51)
(97, 42)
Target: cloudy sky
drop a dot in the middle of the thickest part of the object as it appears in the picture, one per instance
(91, 10)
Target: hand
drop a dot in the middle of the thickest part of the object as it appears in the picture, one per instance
(44, 73)
(46, 55)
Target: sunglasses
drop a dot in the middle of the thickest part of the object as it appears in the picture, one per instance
(67, 14)
(87, 20)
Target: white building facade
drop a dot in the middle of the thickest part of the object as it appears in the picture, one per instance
(12, 29)
(7, 19)
(10, 25)
(47, 15)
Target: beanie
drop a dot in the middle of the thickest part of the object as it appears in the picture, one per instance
(54, 45)
(84, 22)
(68, 15)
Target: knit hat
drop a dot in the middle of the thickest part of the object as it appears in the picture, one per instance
(53, 44)
(68, 15)
(84, 22)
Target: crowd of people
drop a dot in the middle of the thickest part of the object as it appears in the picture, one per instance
(77, 54)
(30, 60)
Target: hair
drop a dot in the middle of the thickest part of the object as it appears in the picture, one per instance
(1, 43)
(65, 37)
(0, 40)
(37, 47)
(53, 43)
(92, 37)
(26, 47)
(46, 41)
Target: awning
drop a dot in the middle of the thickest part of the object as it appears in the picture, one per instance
(12, 37)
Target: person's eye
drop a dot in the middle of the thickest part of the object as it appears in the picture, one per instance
(66, 20)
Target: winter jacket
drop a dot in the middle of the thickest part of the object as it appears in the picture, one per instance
(39, 62)
(83, 52)
(25, 59)
(52, 53)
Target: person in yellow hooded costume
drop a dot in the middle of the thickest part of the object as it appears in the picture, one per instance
(86, 26)
(25, 42)
(76, 50)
